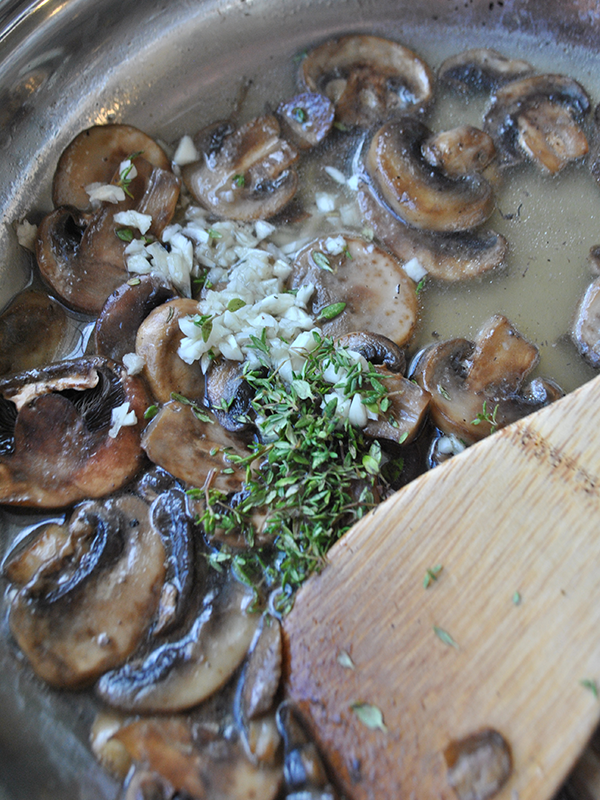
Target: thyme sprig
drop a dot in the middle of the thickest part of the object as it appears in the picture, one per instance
(308, 480)
(487, 416)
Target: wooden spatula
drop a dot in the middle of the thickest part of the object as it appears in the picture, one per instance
(505, 638)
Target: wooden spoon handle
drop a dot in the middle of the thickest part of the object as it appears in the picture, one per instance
(506, 637)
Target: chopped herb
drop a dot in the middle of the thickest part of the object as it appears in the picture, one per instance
(125, 235)
(340, 126)
(299, 114)
(321, 260)
(421, 285)
(344, 660)
(235, 304)
(205, 323)
(432, 575)
(134, 281)
(443, 391)
(592, 686)
(124, 180)
(198, 411)
(485, 416)
(260, 344)
(332, 311)
(403, 436)
(368, 234)
(300, 56)
(151, 412)
(239, 180)
(516, 598)
(347, 253)
(369, 715)
(444, 636)
(214, 234)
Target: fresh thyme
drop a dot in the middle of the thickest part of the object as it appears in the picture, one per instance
(309, 479)
(485, 416)
(125, 176)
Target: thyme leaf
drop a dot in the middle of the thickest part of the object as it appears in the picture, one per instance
(369, 715)
(444, 636)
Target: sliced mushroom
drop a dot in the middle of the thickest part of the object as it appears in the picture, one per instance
(481, 69)
(445, 256)
(94, 156)
(88, 609)
(585, 331)
(262, 672)
(244, 174)
(55, 430)
(193, 450)
(539, 118)
(368, 78)
(33, 330)
(374, 291)
(228, 395)
(199, 769)
(180, 674)
(157, 340)
(408, 408)
(124, 312)
(422, 195)
(462, 376)
(21, 565)
(459, 151)
(306, 119)
(375, 348)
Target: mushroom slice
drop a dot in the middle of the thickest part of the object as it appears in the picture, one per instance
(525, 112)
(88, 609)
(199, 769)
(94, 156)
(228, 395)
(125, 310)
(445, 256)
(262, 671)
(478, 387)
(59, 443)
(422, 195)
(32, 331)
(408, 408)
(460, 151)
(367, 78)
(180, 674)
(481, 69)
(21, 565)
(375, 348)
(306, 119)
(244, 174)
(193, 450)
(157, 341)
(585, 331)
(374, 291)
(80, 256)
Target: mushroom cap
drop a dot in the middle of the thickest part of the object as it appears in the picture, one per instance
(519, 98)
(368, 78)
(94, 155)
(481, 69)
(306, 119)
(379, 296)
(445, 256)
(243, 174)
(55, 433)
(420, 194)
(74, 637)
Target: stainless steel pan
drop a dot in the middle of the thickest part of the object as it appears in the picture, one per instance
(169, 66)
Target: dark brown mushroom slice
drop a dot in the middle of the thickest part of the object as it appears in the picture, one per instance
(306, 119)
(228, 395)
(444, 256)
(409, 405)
(244, 174)
(157, 341)
(80, 256)
(72, 630)
(518, 113)
(169, 516)
(179, 674)
(261, 675)
(594, 156)
(94, 156)
(125, 310)
(33, 330)
(420, 194)
(154, 191)
(54, 431)
(460, 151)
(375, 292)
(463, 375)
(368, 78)
(193, 450)
(481, 69)
(375, 348)
(196, 764)
(585, 330)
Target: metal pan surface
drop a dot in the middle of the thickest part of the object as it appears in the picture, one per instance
(168, 68)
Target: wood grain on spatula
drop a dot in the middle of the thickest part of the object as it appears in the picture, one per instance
(507, 638)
